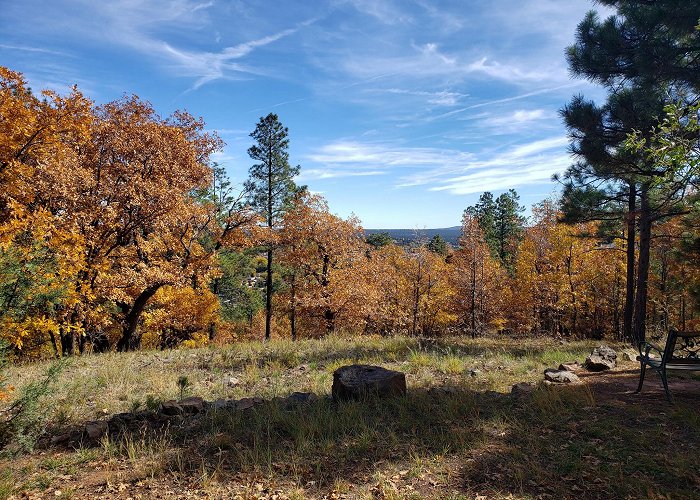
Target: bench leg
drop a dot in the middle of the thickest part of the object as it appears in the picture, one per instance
(641, 377)
(669, 396)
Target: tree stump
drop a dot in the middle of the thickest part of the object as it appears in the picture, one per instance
(359, 381)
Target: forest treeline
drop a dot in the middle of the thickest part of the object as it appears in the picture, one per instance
(117, 231)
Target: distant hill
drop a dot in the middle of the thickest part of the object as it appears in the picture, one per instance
(406, 236)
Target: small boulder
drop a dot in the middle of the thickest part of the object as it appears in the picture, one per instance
(171, 408)
(602, 358)
(247, 403)
(358, 381)
(122, 420)
(572, 366)
(233, 381)
(96, 429)
(193, 404)
(560, 376)
(60, 439)
(223, 404)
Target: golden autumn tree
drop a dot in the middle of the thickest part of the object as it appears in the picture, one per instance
(113, 194)
(134, 210)
(675, 277)
(38, 254)
(479, 280)
(427, 277)
(390, 310)
(179, 317)
(326, 260)
(566, 282)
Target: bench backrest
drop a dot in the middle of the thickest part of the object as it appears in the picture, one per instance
(682, 345)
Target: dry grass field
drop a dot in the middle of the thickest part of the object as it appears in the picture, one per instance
(457, 434)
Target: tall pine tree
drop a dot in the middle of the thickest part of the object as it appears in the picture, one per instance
(271, 187)
(645, 55)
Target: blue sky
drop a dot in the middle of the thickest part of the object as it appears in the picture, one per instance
(399, 111)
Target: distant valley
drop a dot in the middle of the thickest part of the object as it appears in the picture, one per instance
(406, 236)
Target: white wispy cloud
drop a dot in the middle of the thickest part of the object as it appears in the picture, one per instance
(155, 30)
(26, 48)
(382, 156)
(321, 173)
(515, 122)
(438, 98)
(454, 171)
(520, 165)
(383, 11)
(504, 100)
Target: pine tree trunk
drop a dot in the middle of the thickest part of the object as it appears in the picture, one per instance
(473, 305)
(640, 303)
(629, 287)
(268, 294)
(293, 308)
(215, 290)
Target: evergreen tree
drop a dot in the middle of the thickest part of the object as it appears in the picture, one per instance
(438, 245)
(378, 240)
(644, 55)
(270, 186)
(501, 223)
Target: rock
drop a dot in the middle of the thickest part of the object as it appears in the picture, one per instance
(571, 366)
(560, 376)
(96, 429)
(247, 403)
(299, 398)
(60, 439)
(358, 381)
(521, 389)
(193, 404)
(121, 420)
(223, 404)
(171, 408)
(233, 381)
(474, 372)
(602, 358)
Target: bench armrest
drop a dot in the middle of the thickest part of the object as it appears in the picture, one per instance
(645, 347)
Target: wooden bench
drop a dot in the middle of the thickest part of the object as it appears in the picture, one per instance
(682, 352)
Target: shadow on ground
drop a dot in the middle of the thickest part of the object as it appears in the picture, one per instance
(596, 440)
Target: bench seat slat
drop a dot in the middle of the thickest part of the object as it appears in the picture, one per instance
(680, 364)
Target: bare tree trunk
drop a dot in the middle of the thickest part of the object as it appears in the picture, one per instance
(416, 298)
(129, 341)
